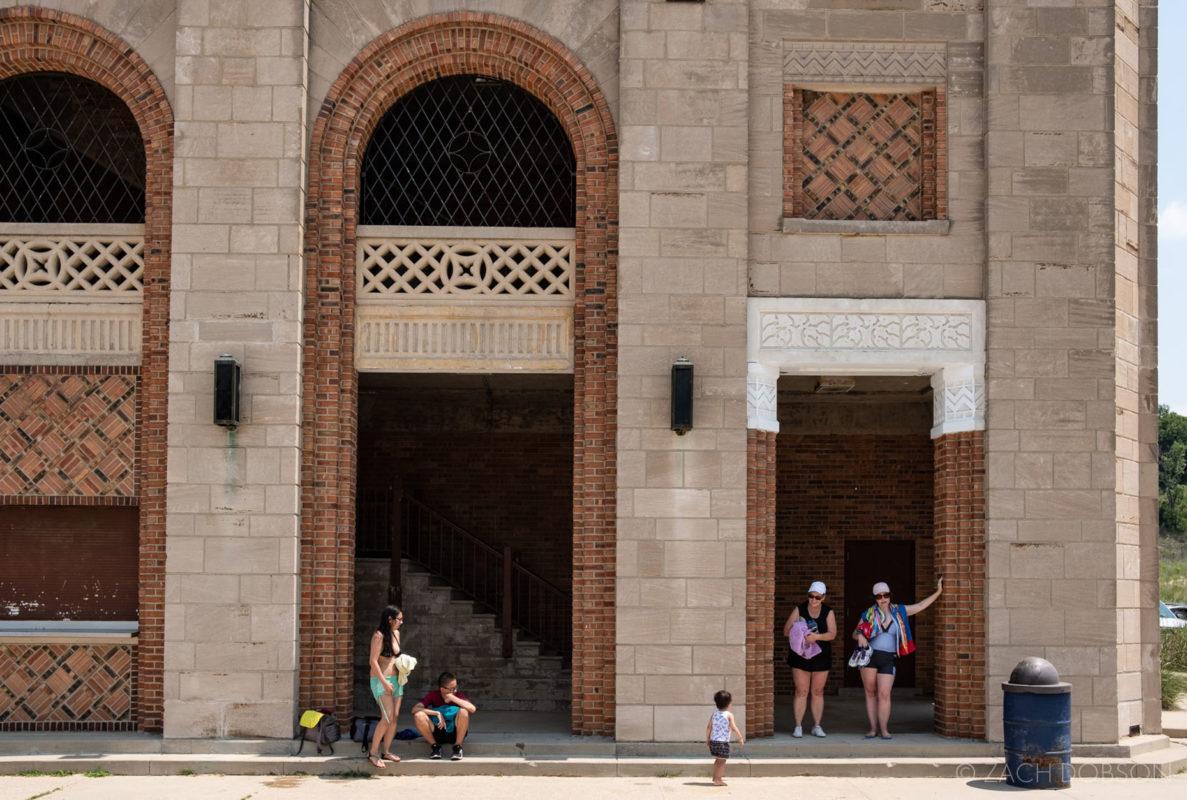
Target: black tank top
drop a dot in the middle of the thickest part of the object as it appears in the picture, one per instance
(818, 625)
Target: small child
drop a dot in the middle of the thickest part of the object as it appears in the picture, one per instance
(717, 735)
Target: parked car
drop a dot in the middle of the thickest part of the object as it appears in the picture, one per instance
(1178, 609)
(1167, 618)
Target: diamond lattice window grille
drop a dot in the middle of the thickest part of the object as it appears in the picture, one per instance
(862, 156)
(469, 151)
(70, 152)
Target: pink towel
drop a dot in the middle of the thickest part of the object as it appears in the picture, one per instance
(799, 645)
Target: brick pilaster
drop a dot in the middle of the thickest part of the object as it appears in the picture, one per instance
(959, 615)
(760, 583)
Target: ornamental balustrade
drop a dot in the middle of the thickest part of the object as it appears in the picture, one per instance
(69, 292)
(481, 299)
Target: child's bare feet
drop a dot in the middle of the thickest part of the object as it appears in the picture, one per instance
(719, 783)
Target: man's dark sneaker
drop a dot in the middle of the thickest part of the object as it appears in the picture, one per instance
(457, 753)
(436, 751)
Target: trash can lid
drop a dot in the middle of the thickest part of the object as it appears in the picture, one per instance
(1037, 675)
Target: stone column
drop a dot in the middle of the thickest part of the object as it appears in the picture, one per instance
(232, 559)
(681, 629)
(1063, 395)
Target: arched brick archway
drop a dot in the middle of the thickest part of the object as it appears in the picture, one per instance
(391, 66)
(42, 40)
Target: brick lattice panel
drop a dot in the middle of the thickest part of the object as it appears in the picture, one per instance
(859, 156)
(394, 64)
(64, 687)
(862, 154)
(41, 39)
(67, 435)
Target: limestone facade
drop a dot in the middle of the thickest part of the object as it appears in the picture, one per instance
(1022, 302)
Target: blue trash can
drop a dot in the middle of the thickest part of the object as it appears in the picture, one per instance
(1037, 712)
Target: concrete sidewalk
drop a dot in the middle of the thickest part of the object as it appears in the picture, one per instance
(521, 744)
(76, 787)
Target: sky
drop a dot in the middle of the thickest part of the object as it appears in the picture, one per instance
(1172, 206)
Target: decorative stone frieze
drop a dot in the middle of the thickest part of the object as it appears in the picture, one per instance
(464, 338)
(866, 62)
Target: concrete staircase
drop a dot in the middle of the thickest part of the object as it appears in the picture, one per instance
(445, 631)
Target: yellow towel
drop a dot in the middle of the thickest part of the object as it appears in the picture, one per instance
(404, 664)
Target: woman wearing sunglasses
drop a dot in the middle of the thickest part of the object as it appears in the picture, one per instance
(885, 630)
(810, 674)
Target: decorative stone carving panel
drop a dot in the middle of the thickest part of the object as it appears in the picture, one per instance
(762, 398)
(66, 333)
(464, 338)
(887, 331)
(847, 336)
(71, 294)
(866, 62)
(67, 264)
(532, 263)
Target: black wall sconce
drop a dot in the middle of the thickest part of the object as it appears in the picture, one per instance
(682, 396)
(227, 377)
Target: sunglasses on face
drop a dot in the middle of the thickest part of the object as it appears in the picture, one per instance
(882, 595)
(815, 597)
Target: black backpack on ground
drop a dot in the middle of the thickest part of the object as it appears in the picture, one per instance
(362, 729)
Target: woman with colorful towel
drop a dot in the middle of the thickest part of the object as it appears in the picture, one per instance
(885, 631)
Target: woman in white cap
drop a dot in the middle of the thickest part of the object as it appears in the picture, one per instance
(885, 630)
(810, 674)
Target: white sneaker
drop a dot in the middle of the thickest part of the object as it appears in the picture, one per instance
(819, 731)
(864, 658)
(798, 733)
(853, 659)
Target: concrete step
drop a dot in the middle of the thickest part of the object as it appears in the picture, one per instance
(482, 760)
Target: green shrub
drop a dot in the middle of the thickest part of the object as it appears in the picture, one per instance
(1174, 649)
(1173, 685)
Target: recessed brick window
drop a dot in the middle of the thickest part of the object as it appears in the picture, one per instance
(861, 156)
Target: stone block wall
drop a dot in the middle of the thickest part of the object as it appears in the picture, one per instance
(847, 46)
(682, 508)
(232, 571)
(1063, 390)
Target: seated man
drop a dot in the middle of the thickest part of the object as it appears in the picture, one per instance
(432, 716)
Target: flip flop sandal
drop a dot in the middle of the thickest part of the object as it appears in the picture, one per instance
(376, 762)
(391, 757)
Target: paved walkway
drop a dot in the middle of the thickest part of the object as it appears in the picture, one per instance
(240, 787)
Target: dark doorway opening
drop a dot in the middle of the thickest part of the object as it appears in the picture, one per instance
(469, 478)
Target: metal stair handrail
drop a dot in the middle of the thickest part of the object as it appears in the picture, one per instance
(489, 576)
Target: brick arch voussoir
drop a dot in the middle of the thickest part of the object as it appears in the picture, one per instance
(45, 40)
(385, 70)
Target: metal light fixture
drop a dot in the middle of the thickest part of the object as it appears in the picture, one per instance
(682, 396)
(227, 377)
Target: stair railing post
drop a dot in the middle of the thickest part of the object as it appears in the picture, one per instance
(507, 633)
(394, 589)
